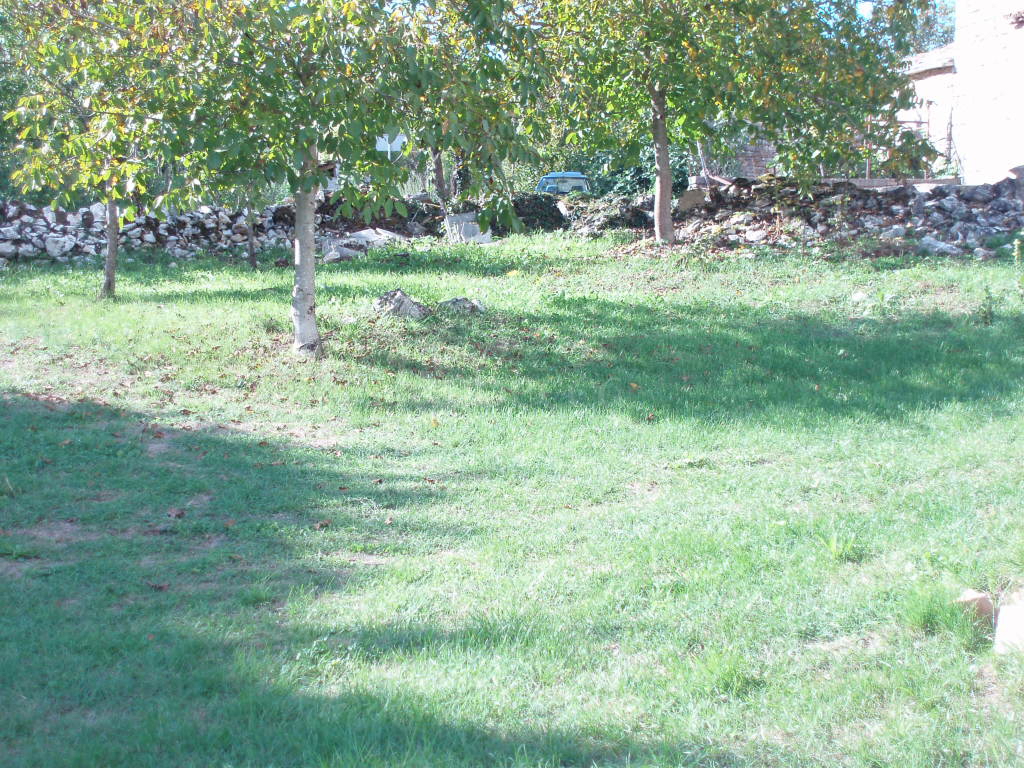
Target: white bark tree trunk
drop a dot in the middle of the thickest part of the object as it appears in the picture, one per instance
(663, 230)
(110, 261)
(307, 336)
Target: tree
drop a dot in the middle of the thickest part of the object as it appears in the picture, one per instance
(934, 27)
(278, 85)
(473, 92)
(83, 119)
(806, 74)
(249, 91)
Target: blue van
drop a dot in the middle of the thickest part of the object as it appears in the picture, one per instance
(564, 183)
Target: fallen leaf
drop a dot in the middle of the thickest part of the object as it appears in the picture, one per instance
(65, 443)
(342, 487)
(159, 587)
(389, 520)
(229, 523)
(634, 386)
(320, 525)
(176, 513)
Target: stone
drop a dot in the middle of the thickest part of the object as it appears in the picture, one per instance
(939, 248)
(462, 306)
(982, 193)
(8, 249)
(692, 199)
(371, 238)
(1010, 624)
(893, 233)
(400, 304)
(3, 263)
(977, 605)
(755, 235)
(57, 245)
(10, 233)
(335, 253)
(955, 207)
(463, 228)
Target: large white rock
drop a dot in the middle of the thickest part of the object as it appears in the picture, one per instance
(370, 238)
(1010, 624)
(334, 253)
(8, 249)
(58, 245)
(463, 228)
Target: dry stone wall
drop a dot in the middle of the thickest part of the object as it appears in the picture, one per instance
(29, 232)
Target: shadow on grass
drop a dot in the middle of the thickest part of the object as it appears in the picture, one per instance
(716, 363)
(146, 573)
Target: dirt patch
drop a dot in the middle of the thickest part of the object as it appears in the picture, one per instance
(13, 569)
(649, 491)
(200, 500)
(103, 496)
(161, 440)
(363, 558)
(991, 692)
(842, 645)
(59, 532)
(157, 447)
(48, 401)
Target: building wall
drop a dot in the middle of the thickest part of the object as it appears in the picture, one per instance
(934, 77)
(754, 159)
(988, 121)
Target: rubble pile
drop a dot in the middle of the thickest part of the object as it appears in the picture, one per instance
(949, 220)
(591, 217)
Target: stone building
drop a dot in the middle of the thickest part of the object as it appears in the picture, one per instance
(969, 91)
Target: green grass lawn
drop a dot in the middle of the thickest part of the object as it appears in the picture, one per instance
(649, 510)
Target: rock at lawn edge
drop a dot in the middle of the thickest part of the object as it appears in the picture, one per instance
(399, 304)
(1010, 624)
(462, 305)
(978, 605)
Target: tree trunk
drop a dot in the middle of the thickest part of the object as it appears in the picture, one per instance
(307, 336)
(460, 174)
(439, 180)
(250, 225)
(110, 262)
(663, 231)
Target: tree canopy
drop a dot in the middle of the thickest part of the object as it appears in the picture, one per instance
(807, 74)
